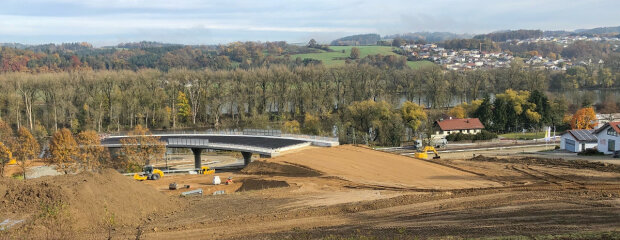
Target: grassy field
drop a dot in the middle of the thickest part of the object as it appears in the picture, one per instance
(524, 136)
(337, 57)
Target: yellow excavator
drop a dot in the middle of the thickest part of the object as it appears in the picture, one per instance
(424, 155)
(149, 173)
(205, 170)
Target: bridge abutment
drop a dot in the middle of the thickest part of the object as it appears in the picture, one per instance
(197, 159)
(247, 157)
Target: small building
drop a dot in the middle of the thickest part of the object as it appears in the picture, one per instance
(578, 140)
(608, 137)
(458, 125)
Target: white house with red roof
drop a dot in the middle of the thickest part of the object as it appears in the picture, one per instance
(458, 125)
(608, 137)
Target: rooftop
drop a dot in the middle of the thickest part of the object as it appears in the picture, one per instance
(460, 124)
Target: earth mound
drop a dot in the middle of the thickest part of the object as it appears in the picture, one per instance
(88, 198)
(259, 184)
(279, 169)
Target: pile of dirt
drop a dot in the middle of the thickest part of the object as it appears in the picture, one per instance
(279, 169)
(380, 169)
(578, 164)
(90, 199)
(260, 184)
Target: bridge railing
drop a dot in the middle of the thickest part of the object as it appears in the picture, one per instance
(244, 132)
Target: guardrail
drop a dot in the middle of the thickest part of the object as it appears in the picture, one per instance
(244, 132)
(188, 141)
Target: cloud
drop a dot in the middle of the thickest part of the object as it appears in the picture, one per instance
(226, 20)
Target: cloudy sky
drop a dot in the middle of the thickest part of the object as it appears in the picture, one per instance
(108, 22)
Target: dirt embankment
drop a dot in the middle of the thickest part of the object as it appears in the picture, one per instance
(279, 169)
(375, 168)
(87, 200)
(578, 164)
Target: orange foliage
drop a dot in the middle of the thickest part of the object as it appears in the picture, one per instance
(584, 118)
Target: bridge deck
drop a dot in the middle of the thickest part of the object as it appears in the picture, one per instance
(250, 141)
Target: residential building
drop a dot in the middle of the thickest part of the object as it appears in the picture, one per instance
(578, 140)
(457, 125)
(608, 137)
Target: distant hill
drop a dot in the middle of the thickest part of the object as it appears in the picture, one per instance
(558, 33)
(599, 30)
(356, 40)
(145, 44)
(14, 45)
(502, 36)
(429, 36)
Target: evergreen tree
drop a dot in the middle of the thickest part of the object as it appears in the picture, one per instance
(485, 112)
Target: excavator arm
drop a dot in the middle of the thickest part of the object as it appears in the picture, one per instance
(424, 153)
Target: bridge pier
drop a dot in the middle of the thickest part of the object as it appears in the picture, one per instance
(197, 159)
(247, 157)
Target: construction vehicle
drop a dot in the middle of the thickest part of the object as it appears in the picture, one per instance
(424, 155)
(205, 170)
(149, 173)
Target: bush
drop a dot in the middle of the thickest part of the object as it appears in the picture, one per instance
(483, 135)
(590, 152)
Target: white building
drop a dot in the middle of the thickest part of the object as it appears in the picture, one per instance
(458, 125)
(608, 137)
(578, 140)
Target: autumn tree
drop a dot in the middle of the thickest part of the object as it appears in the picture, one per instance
(312, 124)
(183, 108)
(457, 112)
(92, 154)
(5, 157)
(413, 115)
(63, 150)
(584, 118)
(355, 53)
(27, 150)
(292, 126)
(6, 135)
(140, 148)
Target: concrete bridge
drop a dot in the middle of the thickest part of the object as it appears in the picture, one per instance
(266, 143)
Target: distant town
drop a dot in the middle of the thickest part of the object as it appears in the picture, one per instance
(463, 59)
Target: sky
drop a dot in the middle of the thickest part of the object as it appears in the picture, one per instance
(109, 22)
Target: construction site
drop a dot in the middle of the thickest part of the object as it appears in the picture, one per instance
(340, 192)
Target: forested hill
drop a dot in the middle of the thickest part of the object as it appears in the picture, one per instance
(430, 36)
(508, 35)
(361, 39)
(600, 30)
(135, 56)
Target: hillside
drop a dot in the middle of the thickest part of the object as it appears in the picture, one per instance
(599, 30)
(356, 40)
(338, 57)
(429, 36)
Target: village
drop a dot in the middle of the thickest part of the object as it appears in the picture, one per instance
(469, 59)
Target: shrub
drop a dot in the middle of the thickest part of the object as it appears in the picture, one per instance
(590, 152)
(483, 135)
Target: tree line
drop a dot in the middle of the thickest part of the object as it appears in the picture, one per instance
(108, 101)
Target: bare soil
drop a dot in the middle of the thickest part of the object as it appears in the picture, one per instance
(351, 193)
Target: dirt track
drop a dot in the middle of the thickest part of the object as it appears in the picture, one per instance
(524, 197)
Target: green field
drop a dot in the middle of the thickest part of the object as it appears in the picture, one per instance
(337, 57)
(524, 136)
